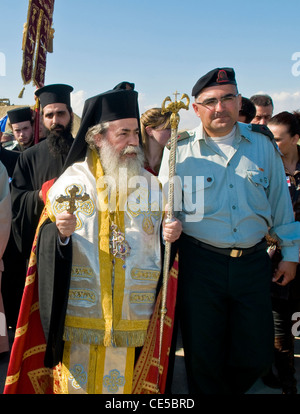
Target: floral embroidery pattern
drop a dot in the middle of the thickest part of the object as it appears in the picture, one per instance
(78, 376)
(113, 381)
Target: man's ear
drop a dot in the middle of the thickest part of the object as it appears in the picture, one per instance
(196, 109)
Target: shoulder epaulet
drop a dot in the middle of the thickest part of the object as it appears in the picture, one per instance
(262, 129)
(181, 136)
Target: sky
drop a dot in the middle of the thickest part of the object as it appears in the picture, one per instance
(162, 46)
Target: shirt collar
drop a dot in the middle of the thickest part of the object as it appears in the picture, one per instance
(242, 130)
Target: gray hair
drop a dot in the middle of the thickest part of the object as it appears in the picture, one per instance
(94, 130)
(262, 100)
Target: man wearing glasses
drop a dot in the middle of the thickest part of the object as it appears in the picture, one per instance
(233, 191)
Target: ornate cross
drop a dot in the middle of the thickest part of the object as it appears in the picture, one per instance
(72, 198)
(75, 202)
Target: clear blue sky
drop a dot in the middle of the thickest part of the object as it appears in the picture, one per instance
(161, 46)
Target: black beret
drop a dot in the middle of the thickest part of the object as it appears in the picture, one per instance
(57, 93)
(218, 76)
(19, 115)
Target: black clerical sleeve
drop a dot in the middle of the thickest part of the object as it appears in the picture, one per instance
(34, 167)
(54, 264)
(9, 159)
(26, 205)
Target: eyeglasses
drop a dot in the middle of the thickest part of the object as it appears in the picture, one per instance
(211, 103)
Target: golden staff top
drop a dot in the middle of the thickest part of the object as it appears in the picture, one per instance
(174, 108)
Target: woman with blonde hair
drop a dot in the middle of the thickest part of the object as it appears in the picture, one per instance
(156, 131)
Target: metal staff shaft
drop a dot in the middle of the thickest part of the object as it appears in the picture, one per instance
(174, 108)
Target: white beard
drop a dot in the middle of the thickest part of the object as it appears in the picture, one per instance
(118, 172)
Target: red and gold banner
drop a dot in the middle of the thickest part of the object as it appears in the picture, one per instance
(37, 41)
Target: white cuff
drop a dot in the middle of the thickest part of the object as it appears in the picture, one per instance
(61, 243)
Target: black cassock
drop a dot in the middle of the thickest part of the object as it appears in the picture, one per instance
(54, 264)
(9, 159)
(34, 167)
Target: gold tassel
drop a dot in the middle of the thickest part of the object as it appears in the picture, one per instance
(24, 36)
(37, 104)
(21, 93)
(50, 41)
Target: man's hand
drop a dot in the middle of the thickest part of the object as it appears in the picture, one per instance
(171, 229)
(285, 272)
(66, 224)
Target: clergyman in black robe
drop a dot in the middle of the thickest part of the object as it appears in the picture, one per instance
(34, 168)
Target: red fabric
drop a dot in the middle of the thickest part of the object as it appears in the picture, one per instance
(46, 12)
(46, 187)
(147, 379)
(35, 41)
(149, 169)
(37, 122)
(26, 372)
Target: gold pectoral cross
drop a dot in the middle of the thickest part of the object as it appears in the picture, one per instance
(119, 247)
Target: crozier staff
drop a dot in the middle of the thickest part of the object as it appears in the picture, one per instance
(97, 287)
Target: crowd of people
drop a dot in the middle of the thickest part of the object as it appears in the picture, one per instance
(84, 232)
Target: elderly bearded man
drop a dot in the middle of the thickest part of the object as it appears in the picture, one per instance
(97, 293)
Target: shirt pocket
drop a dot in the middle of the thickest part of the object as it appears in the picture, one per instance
(197, 195)
(257, 191)
(258, 178)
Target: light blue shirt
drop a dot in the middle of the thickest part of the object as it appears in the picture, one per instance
(235, 201)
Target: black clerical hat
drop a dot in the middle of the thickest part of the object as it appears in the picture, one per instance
(218, 76)
(116, 104)
(112, 105)
(19, 115)
(57, 93)
(124, 85)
